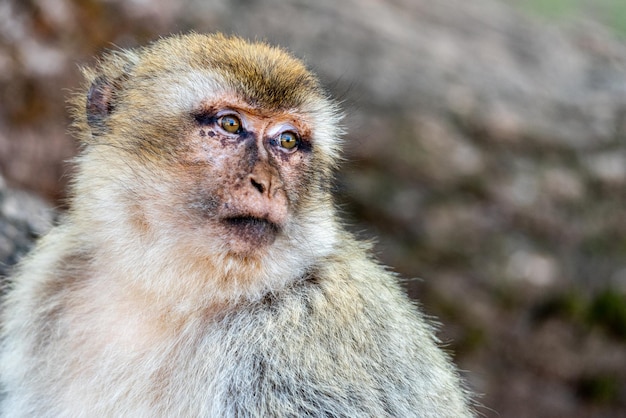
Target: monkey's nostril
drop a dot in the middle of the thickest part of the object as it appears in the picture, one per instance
(259, 186)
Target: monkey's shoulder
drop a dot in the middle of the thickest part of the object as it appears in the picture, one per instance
(344, 339)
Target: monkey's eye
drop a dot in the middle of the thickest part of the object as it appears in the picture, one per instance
(288, 140)
(230, 123)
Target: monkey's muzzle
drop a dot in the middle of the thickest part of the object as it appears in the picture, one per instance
(256, 231)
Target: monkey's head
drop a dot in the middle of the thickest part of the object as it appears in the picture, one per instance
(209, 148)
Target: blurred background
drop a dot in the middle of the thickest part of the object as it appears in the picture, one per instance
(485, 155)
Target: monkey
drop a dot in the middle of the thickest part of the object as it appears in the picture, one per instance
(202, 268)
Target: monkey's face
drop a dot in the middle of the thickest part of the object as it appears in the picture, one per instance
(223, 148)
(246, 171)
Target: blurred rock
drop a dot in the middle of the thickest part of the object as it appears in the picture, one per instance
(23, 218)
(608, 167)
(535, 269)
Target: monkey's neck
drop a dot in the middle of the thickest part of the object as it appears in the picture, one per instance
(176, 272)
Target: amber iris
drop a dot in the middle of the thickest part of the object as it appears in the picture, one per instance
(288, 140)
(230, 124)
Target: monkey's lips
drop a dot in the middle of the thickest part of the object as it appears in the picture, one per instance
(252, 230)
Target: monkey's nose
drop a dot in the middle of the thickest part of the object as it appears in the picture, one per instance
(264, 179)
(259, 185)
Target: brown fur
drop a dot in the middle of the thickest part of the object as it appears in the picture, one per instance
(201, 272)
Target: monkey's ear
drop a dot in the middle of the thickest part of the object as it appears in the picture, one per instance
(107, 81)
(99, 103)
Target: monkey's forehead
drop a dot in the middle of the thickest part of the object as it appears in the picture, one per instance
(260, 74)
(196, 90)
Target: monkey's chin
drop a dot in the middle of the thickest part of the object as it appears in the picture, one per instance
(247, 234)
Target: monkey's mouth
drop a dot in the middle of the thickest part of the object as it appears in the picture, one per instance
(254, 230)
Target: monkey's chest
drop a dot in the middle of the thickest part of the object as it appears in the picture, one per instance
(126, 362)
(122, 364)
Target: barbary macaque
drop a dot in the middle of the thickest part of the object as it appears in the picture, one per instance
(201, 268)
